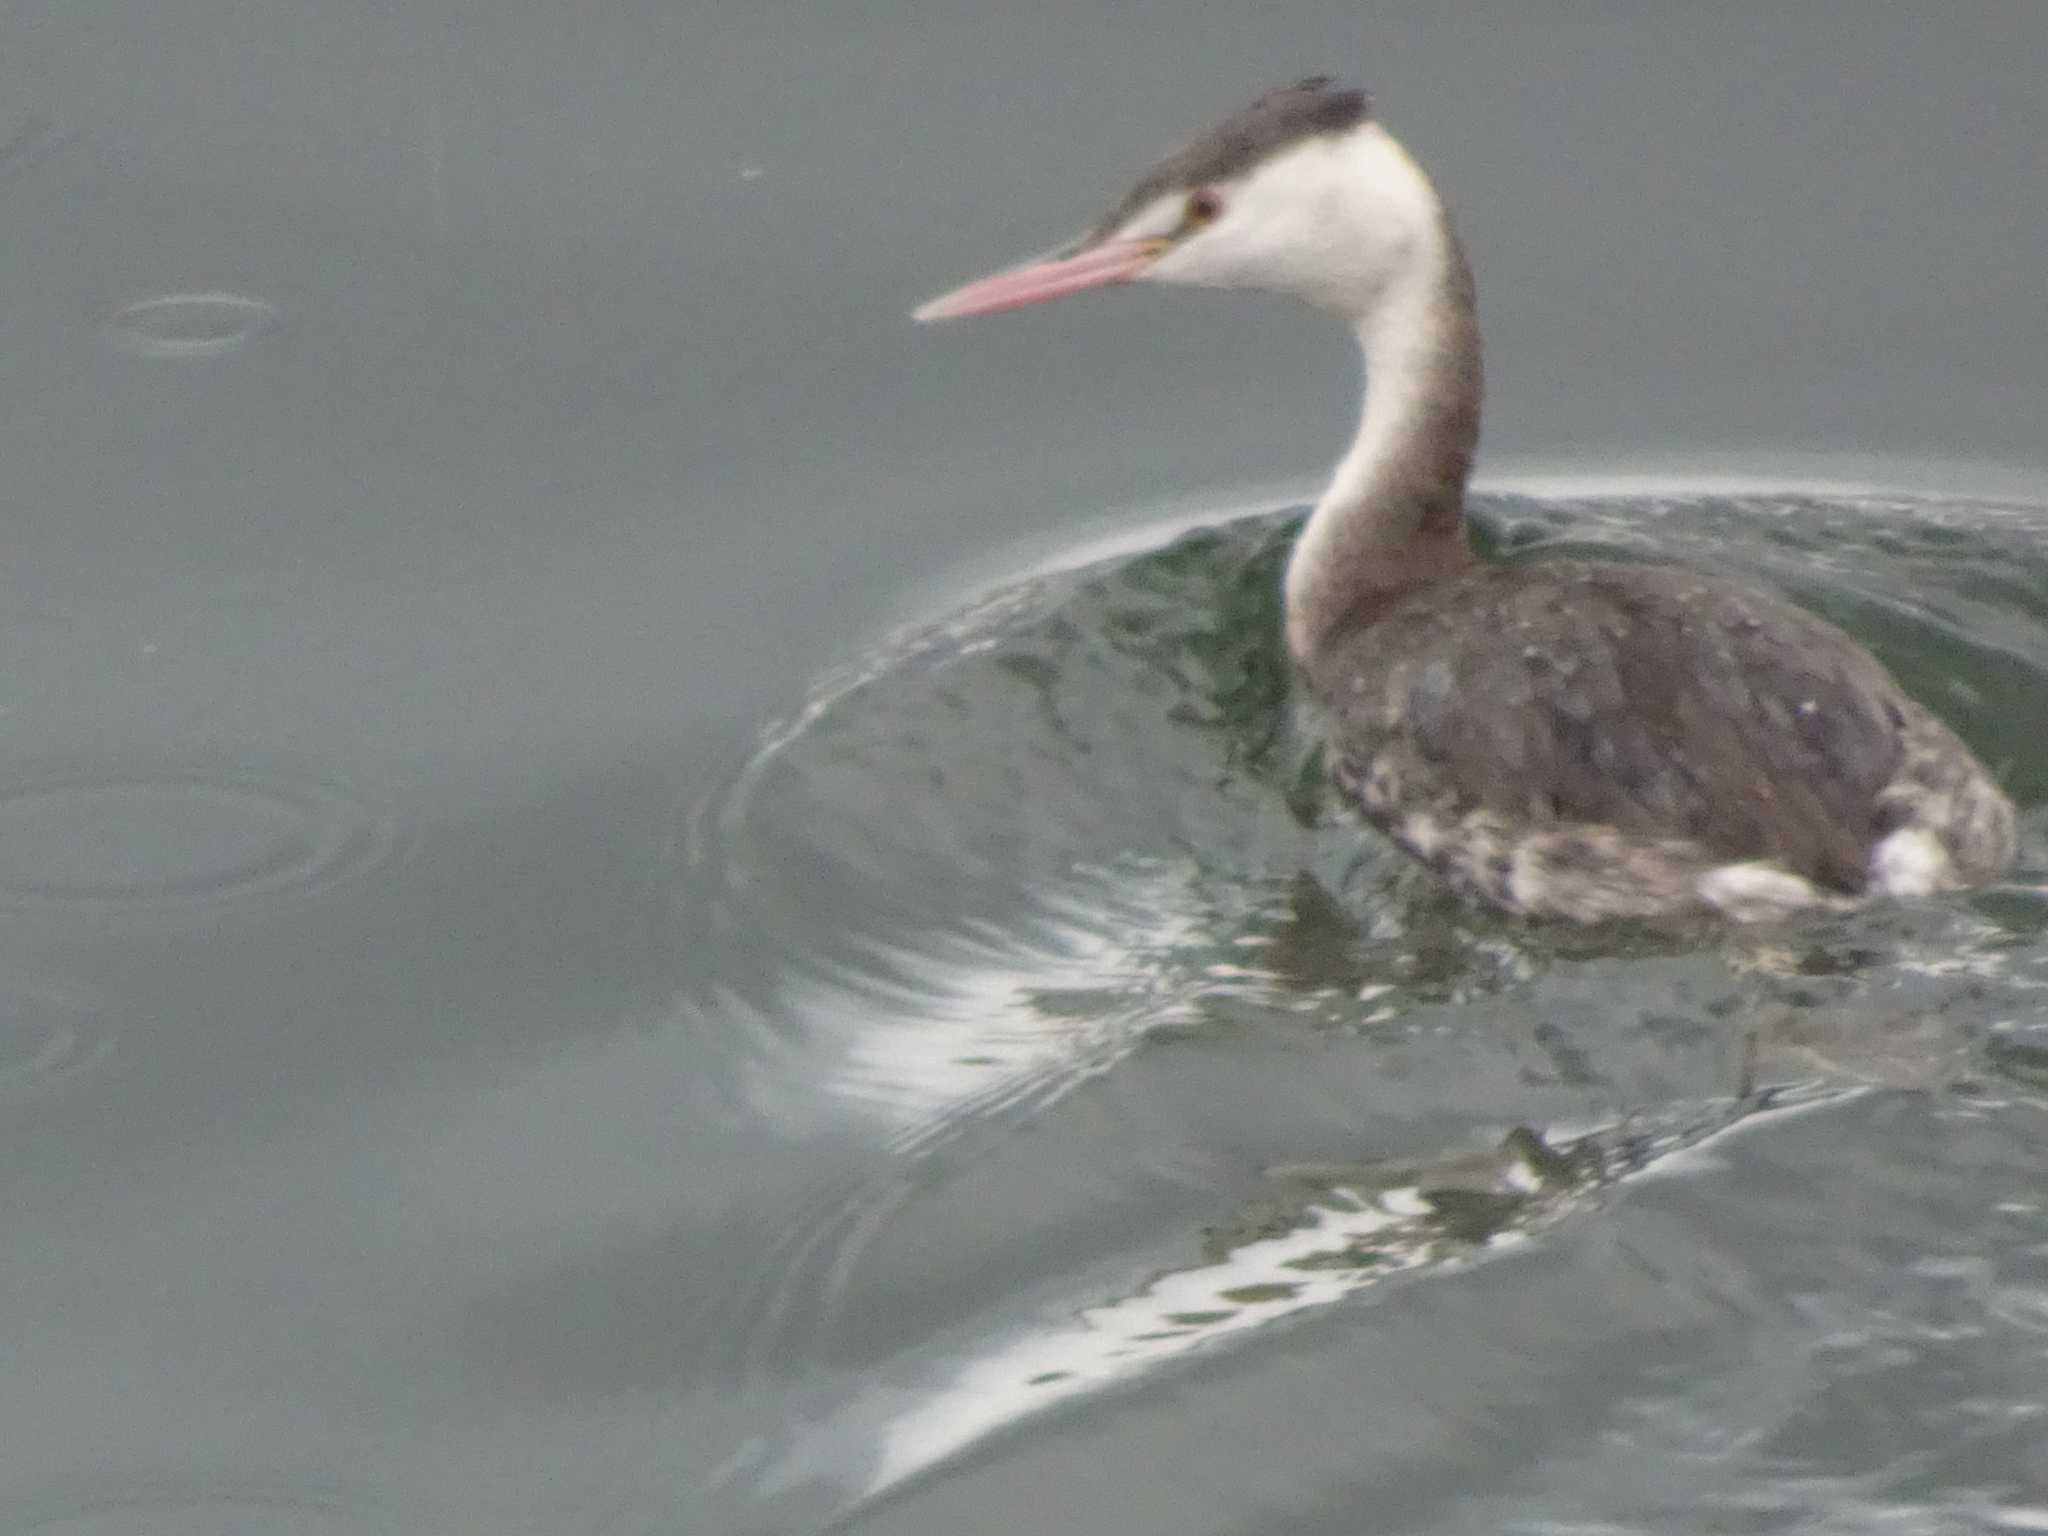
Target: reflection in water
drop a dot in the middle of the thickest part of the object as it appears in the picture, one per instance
(1072, 827)
(984, 1021)
(1336, 1231)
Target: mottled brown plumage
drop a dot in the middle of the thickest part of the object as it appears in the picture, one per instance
(1569, 739)
(1651, 720)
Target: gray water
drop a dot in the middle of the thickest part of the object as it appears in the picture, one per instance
(637, 897)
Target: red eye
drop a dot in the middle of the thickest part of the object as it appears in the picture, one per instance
(1203, 207)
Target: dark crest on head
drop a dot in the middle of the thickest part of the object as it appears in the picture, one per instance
(1275, 121)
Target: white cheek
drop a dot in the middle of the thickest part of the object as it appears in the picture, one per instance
(1246, 249)
(1201, 261)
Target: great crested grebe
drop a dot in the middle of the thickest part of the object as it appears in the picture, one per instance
(1561, 738)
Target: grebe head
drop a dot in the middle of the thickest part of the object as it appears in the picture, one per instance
(1301, 193)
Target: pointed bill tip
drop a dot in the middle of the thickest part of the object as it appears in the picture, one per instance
(933, 309)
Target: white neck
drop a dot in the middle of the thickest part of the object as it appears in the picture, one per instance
(1390, 518)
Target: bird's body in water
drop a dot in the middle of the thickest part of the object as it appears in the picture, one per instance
(1563, 738)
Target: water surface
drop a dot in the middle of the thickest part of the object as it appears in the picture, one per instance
(466, 1067)
(1171, 1065)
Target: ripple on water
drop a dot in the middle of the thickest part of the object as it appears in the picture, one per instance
(1084, 796)
(1325, 1234)
(1012, 849)
(46, 1036)
(190, 325)
(121, 841)
(1003, 836)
